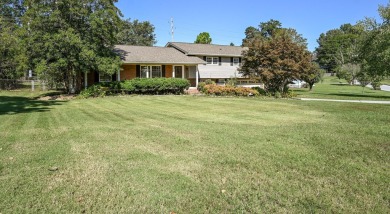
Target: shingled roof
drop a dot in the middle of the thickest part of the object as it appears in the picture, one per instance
(193, 49)
(160, 55)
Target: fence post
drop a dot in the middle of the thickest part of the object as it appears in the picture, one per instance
(32, 85)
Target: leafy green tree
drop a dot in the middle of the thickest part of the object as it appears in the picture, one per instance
(12, 54)
(313, 75)
(69, 37)
(375, 51)
(203, 38)
(276, 59)
(339, 46)
(364, 79)
(136, 33)
(349, 72)
(268, 29)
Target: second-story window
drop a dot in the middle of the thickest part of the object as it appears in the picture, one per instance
(212, 60)
(236, 61)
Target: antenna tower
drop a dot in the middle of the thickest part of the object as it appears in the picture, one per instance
(172, 30)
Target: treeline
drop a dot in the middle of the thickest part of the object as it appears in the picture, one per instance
(358, 52)
(61, 39)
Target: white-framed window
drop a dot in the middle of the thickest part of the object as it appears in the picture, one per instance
(144, 71)
(212, 60)
(151, 71)
(236, 61)
(105, 77)
(156, 72)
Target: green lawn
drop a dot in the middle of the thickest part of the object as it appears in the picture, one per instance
(192, 154)
(333, 88)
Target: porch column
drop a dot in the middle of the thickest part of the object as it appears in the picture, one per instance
(197, 76)
(173, 71)
(182, 72)
(118, 75)
(85, 79)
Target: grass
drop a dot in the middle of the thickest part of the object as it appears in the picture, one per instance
(333, 88)
(186, 154)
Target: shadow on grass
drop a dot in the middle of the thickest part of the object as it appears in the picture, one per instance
(18, 104)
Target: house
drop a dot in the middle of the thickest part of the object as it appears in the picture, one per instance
(194, 62)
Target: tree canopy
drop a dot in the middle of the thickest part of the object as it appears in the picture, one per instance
(339, 46)
(136, 33)
(203, 38)
(276, 58)
(66, 38)
(375, 51)
(267, 30)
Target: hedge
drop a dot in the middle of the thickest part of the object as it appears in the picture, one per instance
(152, 86)
(219, 90)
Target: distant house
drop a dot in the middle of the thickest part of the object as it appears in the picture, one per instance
(194, 62)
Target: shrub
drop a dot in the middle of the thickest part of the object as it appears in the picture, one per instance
(232, 82)
(201, 86)
(94, 91)
(260, 90)
(219, 90)
(155, 86)
(209, 82)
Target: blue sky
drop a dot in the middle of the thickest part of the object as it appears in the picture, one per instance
(226, 21)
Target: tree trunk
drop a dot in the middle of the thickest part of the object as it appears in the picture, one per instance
(311, 86)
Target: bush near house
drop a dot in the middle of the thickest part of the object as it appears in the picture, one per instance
(156, 86)
(219, 90)
(138, 86)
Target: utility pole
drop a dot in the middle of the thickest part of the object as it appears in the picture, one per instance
(172, 30)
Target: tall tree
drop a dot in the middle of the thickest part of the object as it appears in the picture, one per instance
(276, 59)
(12, 55)
(68, 37)
(136, 33)
(375, 51)
(267, 29)
(203, 38)
(339, 46)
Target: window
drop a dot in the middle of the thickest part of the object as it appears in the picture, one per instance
(236, 61)
(178, 71)
(105, 77)
(144, 72)
(212, 60)
(151, 71)
(156, 71)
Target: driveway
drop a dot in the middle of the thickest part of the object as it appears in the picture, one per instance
(385, 87)
(348, 101)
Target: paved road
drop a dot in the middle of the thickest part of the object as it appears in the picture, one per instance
(385, 87)
(348, 101)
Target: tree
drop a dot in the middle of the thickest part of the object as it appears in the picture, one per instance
(349, 72)
(364, 79)
(276, 59)
(339, 46)
(203, 38)
(12, 54)
(375, 51)
(69, 37)
(231, 44)
(136, 33)
(267, 29)
(313, 75)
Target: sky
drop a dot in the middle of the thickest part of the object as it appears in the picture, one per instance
(226, 20)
